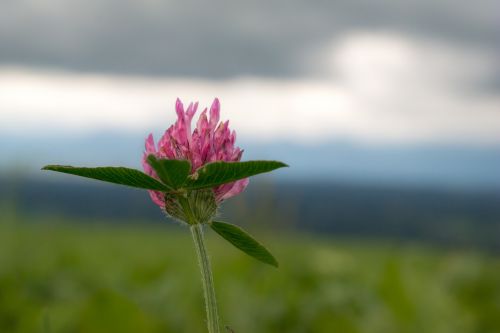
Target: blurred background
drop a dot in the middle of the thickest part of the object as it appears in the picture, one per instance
(388, 113)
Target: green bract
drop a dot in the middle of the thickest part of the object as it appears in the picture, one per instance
(171, 172)
(218, 173)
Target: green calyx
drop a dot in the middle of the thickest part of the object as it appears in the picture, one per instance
(191, 207)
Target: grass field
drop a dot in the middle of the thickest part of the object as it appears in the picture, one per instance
(61, 277)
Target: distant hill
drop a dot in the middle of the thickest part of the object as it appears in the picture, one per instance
(446, 217)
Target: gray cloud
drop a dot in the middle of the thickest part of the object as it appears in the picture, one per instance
(222, 38)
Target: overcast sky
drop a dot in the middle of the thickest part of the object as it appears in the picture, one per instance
(222, 39)
(404, 72)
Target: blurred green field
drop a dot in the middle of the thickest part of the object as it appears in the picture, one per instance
(61, 277)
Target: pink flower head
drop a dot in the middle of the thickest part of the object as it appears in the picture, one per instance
(210, 141)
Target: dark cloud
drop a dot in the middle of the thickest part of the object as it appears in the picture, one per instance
(219, 38)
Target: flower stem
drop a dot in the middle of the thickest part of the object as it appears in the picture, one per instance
(206, 277)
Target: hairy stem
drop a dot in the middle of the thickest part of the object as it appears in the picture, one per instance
(206, 277)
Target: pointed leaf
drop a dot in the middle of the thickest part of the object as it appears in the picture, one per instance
(218, 173)
(171, 172)
(243, 241)
(116, 175)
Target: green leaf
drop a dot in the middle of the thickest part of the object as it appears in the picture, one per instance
(171, 172)
(243, 241)
(218, 173)
(116, 175)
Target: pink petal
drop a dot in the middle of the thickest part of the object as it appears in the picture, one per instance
(210, 141)
(179, 108)
(236, 189)
(214, 113)
(157, 198)
(150, 144)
